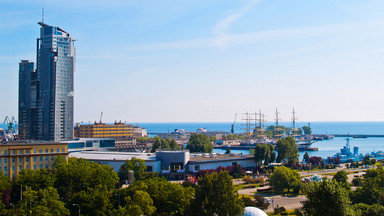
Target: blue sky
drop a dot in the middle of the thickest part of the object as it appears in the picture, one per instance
(188, 61)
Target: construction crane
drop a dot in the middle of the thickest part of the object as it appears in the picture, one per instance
(101, 117)
(233, 125)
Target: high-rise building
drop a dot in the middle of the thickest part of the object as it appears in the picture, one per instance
(55, 71)
(51, 87)
(27, 100)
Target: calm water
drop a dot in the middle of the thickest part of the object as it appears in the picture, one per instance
(326, 148)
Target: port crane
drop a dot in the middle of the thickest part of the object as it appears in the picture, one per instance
(233, 125)
(11, 123)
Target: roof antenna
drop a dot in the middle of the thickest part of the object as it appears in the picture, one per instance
(42, 17)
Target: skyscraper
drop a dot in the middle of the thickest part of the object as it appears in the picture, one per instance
(27, 100)
(55, 71)
(46, 96)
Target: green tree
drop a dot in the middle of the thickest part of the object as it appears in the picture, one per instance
(78, 175)
(372, 189)
(215, 195)
(140, 204)
(93, 201)
(228, 151)
(4, 185)
(326, 198)
(173, 145)
(199, 143)
(363, 209)
(44, 202)
(156, 145)
(135, 164)
(287, 150)
(341, 177)
(164, 143)
(264, 152)
(168, 198)
(307, 130)
(282, 178)
(306, 157)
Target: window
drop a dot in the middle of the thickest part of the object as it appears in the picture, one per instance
(57, 150)
(27, 151)
(52, 158)
(149, 168)
(27, 167)
(41, 166)
(51, 150)
(5, 168)
(20, 151)
(5, 160)
(0, 160)
(46, 158)
(46, 150)
(19, 168)
(41, 150)
(34, 166)
(197, 167)
(234, 164)
(34, 150)
(46, 166)
(20, 160)
(13, 168)
(13, 160)
(34, 158)
(63, 150)
(5, 152)
(41, 158)
(27, 159)
(13, 152)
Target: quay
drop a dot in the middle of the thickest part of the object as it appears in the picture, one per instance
(358, 135)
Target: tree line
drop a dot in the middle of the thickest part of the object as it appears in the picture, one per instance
(93, 188)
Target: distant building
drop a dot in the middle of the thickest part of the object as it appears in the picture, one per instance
(28, 87)
(103, 130)
(121, 132)
(16, 156)
(46, 95)
(139, 132)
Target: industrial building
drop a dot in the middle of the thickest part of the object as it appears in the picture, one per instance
(15, 156)
(172, 164)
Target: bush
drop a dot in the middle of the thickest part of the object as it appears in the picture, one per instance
(249, 180)
(260, 202)
(356, 181)
(279, 210)
(260, 180)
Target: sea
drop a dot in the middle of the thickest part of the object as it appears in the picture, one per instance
(326, 148)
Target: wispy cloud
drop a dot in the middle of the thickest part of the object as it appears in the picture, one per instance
(284, 34)
(222, 26)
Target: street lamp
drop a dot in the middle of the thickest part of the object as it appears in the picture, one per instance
(78, 206)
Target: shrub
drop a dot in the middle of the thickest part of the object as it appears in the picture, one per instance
(279, 210)
(249, 180)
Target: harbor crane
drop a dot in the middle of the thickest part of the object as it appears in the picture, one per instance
(11, 123)
(233, 125)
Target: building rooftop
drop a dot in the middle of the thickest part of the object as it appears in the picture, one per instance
(214, 156)
(112, 156)
(21, 143)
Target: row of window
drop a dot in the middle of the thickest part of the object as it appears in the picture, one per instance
(13, 152)
(5, 168)
(46, 158)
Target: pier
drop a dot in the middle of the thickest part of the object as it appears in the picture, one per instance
(359, 135)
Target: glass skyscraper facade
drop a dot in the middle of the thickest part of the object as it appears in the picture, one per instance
(46, 94)
(28, 87)
(55, 71)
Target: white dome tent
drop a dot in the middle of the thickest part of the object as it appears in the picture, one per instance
(253, 211)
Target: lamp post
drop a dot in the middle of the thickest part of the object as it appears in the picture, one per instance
(78, 206)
